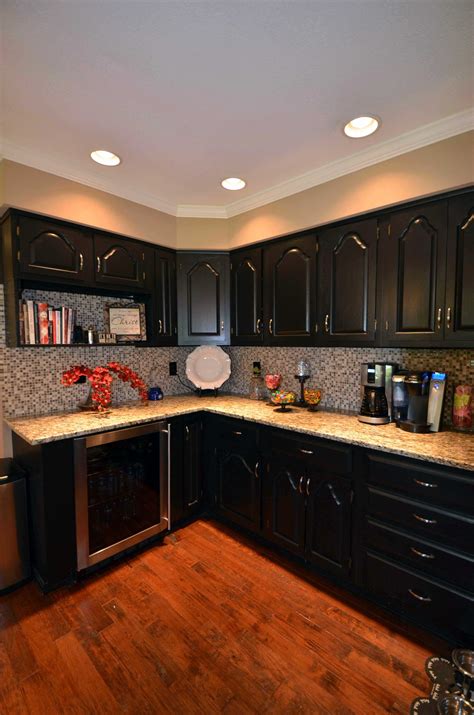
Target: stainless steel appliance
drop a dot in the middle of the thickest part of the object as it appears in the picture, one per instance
(417, 382)
(376, 392)
(14, 543)
(121, 490)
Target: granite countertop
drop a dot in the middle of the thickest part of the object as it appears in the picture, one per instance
(447, 448)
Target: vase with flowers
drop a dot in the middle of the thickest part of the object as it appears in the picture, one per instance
(101, 378)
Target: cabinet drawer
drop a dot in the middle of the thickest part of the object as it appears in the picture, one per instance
(318, 454)
(443, 564)
(438, 487)
(234, 434)
(441, 526)
(418, 596)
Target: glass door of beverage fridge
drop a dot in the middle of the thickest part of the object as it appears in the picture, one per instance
(121, 489)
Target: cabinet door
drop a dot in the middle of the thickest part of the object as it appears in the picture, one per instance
(246, 297)
(328, 522)
(164, 299)
(54, 251)
(284, 504)
(203, 299)
(346, 284)
(192, 471)
(413, 273)
(289, 277)
(122, 263)
(459, 317)
(238, 487)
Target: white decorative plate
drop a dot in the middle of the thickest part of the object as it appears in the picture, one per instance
(208, 367)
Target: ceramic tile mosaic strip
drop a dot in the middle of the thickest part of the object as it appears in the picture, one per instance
(31, 376)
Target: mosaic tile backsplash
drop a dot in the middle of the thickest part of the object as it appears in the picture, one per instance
(30, 377)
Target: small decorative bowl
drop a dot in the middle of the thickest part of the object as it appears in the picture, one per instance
(312, 398)
(283, 398)
(273, 382)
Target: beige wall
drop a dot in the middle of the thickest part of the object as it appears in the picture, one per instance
(199, 233)
(44, 193)
(435, 168)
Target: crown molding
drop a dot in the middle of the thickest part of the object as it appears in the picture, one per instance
(35, 160)
(198, 211)
(416, 139)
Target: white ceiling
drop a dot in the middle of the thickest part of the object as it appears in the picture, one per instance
(189, 92)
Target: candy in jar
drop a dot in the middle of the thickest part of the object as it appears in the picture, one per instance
(462, 407)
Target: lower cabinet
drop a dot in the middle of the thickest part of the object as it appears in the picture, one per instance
(187, 486)
(238, 491)
(284, 503)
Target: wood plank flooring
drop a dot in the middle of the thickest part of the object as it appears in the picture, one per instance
(207, 622)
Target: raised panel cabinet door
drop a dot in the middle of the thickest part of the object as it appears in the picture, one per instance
(120, 262)
(246, 297)
(459, 314)
(413, 272)
(203, 299)
(346, 284)
(284, 504)
(54, 251)
(164, 299)
(328, 522)
(289, 278)
(192, 469)
(238, 487)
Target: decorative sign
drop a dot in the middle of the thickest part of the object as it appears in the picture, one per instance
(127, 322)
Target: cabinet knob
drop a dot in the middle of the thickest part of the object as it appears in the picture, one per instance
(439, 319)
(326, 323)
(270, 326)
(448, 318)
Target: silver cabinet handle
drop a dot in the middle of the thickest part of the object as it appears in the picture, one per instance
(326, 323)
(222, 326)
(424, 519)
(160, 326)
(187, 431)
(2, 479)
(448, 318)
(81, 262)
(308, 483)
(270, 326)
(421, 554)
(237, 433)
(425, 599)
(425, 484)
(98, 264)
(256, 470)
(300, 485)
(306, 451)
(258, 326)
(439, 319)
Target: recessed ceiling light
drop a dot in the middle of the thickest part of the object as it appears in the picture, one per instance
(107, 158)
(233, 183)
(361, 127)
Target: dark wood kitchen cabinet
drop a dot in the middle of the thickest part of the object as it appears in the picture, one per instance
(289, 291)
(347, 261)
(238, 480)
(284, 504)
(122, 263)
(459, 310)
(187, 487)
(413, 271)
(203, 298)
(246, 297)
(53, 252)
(164, 321)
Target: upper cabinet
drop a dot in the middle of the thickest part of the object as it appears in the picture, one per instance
(53, 251)
(459, 309)
(164, 299)
(246, 297)
(347, 260)
(413, 271)
(289, 291)
(203, 299)
(120, 262)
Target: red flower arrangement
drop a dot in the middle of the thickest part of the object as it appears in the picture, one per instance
(101, 381)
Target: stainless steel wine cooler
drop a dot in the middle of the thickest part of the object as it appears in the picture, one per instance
(121, 490)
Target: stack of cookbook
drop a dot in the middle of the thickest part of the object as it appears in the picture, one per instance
(42, 324)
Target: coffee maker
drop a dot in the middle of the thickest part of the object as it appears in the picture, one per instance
(376, 392)
(418, 384)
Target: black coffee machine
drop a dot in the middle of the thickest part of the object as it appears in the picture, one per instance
(376, 392)
(418, 386)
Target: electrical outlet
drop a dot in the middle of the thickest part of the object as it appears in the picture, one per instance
(173, 368)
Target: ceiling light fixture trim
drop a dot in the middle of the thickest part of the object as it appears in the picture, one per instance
(105, 157)
(362, 126)
(233, 183)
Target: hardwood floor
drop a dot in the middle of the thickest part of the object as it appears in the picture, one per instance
(206, 622)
